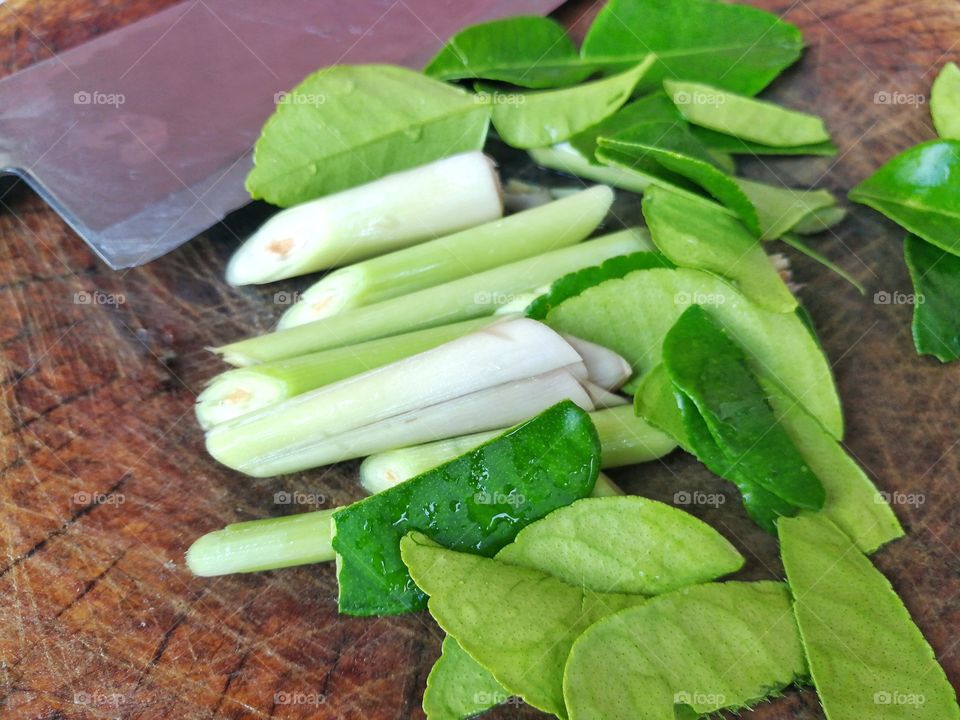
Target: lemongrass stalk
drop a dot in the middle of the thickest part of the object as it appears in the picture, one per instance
(605, 368)
(525, 234)
(625, 439)
(565, 158)
(494, 407)
(264, 545)
(606, 487)
(244, 390)
(393, 212)
(469, 297)
(501, 353)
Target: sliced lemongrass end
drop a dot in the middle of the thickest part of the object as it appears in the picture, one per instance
(265, 544)
(606, 487)
(276, 250)
(605, 368)
(340, 290)
(387, 214)
(236, 393)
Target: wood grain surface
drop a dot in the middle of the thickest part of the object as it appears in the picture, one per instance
(106, 483)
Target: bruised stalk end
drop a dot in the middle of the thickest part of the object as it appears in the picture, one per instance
(393, 212)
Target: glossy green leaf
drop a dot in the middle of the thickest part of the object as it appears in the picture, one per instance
(517, 622)
(710, 368)
(867, 657)
(736, 47)
(737, 146)
(696, 235)
(674, 149)
(945, 102)
(781, 209)
(546, 117)
(459, 687)
(477, 502)
(936, 309)
(632, 315)
(703, 648)
(574, 283)
(920, 190)
(527, 51)
(744, 117)
(763, 507)
(313, 145)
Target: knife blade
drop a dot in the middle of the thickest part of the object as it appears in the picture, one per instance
(141, 138)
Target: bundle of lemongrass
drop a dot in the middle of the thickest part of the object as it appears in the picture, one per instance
(416, 353)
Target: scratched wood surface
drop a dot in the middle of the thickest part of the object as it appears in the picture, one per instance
(105, 481)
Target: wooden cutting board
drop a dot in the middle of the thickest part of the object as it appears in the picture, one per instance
(106, 483)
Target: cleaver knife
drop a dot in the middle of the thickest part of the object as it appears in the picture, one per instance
(141, 138)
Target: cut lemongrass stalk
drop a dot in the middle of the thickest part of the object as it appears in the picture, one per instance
(525, 234)
(494, 407)
(606, 487)
(603, 398)
(605, 368)
(625, 439)
(393, 212)
(263, 545)
(499, 353)
(469, 297)
(244, 390)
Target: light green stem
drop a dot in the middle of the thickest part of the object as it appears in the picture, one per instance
(625, 439)
(264, 545)
(470, 297)
(525, 234)
(245, 390)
